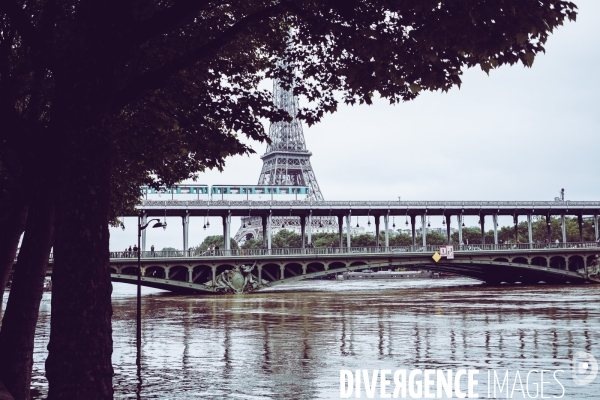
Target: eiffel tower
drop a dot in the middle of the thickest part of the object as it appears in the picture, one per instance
(286, 162)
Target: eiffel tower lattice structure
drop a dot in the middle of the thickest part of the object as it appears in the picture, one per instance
(286, 162)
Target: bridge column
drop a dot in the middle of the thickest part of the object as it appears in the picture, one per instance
(309, 232)
(580, 224)
(185, 221)
(459, 219)
(226, 232)
(214, 275)
(260, 275)
(413, 223)
(269, 232)
(564, 228)
(596, 228)
(529, 231)
(495, 221)
(340, 230)
(282, 272)
(348, 229)
(190, 275)
(482, 224)
(264, 230)
(376, 217)
(516, 222)
(143, 222)
(424, 229)
(448, 229)
(386, 223)
(303, 230)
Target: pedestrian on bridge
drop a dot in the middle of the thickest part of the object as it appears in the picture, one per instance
(152, 250)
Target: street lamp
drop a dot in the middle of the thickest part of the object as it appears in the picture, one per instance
(141, 227)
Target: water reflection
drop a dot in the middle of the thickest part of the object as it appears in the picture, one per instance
(291, 344)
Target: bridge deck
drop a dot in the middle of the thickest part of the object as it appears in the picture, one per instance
(200, 272)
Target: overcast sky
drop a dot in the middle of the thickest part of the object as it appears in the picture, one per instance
(517, 134)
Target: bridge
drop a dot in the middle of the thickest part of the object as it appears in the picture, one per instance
(411, 212)
(240, 271)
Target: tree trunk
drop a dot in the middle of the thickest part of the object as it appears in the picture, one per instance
(14, 225)
(80, 349)
(4, 395)
(20, 319)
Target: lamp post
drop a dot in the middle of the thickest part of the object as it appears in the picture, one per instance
(141, 227)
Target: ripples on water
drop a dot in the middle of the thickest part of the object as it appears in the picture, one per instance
(292, 341)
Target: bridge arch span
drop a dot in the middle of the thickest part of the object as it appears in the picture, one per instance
(313, 267)
(178, 273)
(271, 272)
(201, 274)
(539, 261)
(293, 269)
(155, 272)
(128, 270)
(558, 262)
(575, 263)
(337, 266)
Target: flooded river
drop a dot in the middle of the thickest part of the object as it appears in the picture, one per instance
(292, 342)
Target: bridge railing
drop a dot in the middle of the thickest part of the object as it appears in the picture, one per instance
(345, 250)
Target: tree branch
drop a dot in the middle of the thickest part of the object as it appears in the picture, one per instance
(165, 20)
(31, 36)
(156, 79)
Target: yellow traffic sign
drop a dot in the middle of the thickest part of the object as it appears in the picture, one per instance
(436, 256)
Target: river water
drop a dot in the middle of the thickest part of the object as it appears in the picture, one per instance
(291, 342)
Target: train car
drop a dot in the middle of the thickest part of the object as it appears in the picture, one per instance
(177, 192)
(259, 192)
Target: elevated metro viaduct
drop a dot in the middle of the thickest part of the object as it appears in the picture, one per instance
(573, 265)
(345, 210)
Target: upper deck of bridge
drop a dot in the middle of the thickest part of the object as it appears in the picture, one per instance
(173, 207)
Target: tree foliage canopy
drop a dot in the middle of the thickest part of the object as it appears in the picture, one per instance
(175, 82)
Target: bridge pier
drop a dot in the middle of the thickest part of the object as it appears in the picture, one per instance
(309, 233)
(185, 221)
(413, 223)
(302, 231)
(495, 222)
(386, 223)
(214, 275)
(448, 219)
(459, 219)
(340, 230)
(348, 229)
(529, 231)
(424, 229)
(564, 228)
(376, 217)
(264, 230)
(596, 227)
(482, 225)
(270, 233)
(143, 222)
(226, 232)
